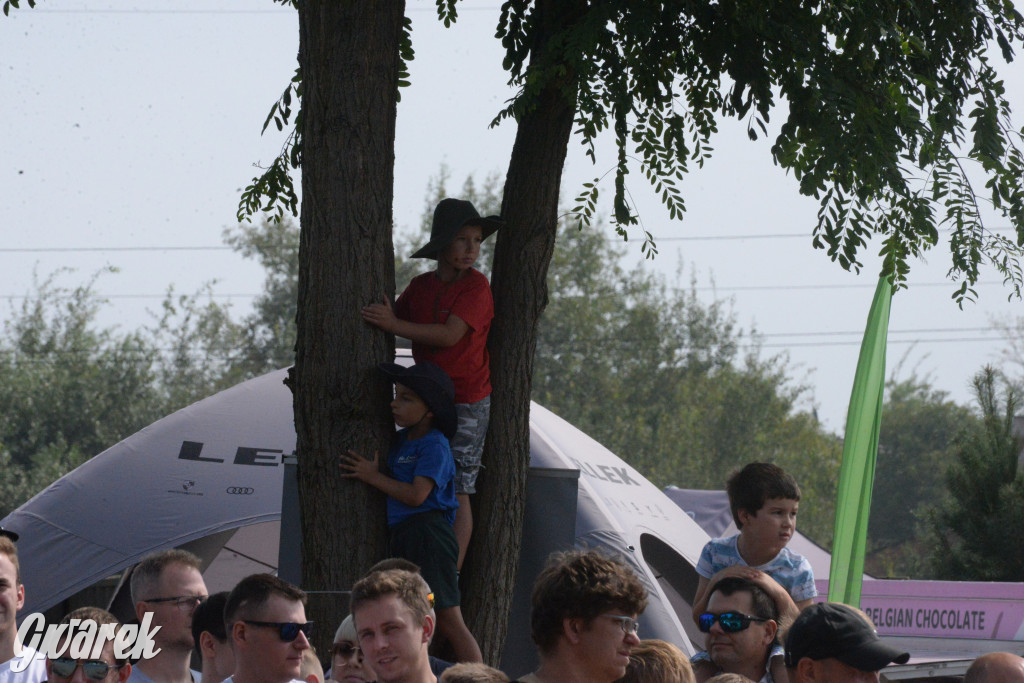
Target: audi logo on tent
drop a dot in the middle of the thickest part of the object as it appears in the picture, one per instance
(240, 490)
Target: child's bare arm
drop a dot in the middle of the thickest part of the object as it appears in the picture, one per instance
(788, 610)
(431, 334)
(700, 600)
(777, 666)
(368, 471)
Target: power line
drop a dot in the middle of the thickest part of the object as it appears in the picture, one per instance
(24, 250)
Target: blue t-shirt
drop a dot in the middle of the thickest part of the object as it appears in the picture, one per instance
(791, 570)
(429, 456)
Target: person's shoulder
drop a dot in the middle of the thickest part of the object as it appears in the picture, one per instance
(723, 543)
(474, 279)
(791, 558)
(34, 670)
(433, 444)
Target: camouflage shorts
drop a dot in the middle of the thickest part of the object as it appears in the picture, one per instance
(468, 443)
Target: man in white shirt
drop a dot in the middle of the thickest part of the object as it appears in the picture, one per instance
(168, 585)
(17, 664)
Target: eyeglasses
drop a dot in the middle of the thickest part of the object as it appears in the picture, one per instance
(344, 650)
(186, 603)
(627, 624)
(93, 669)
(732, 622)
(286, 630)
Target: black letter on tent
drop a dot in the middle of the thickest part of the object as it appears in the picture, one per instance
(190, 450)
(256, 456)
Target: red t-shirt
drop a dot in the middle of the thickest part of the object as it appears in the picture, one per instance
(427, 300)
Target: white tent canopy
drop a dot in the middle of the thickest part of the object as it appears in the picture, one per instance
(211, 474)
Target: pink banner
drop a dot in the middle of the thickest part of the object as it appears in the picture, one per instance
(943, 609)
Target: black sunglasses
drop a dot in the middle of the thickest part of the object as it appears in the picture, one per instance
(732, 622)
(94, 669)
(287, 630)
(343, 650)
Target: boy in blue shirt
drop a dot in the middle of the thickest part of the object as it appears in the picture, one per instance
(420, 490)
(764, 500)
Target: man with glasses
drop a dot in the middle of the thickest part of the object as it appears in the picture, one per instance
(266, 623)
(584, 618)
(168, 585)
(105, 668)
(18, 664)
(741, 622)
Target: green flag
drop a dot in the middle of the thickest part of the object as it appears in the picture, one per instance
(860, 448)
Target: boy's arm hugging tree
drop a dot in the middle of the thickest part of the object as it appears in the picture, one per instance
(431, 334)
(368, 470)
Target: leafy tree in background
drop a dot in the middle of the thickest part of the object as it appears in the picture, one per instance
(69, 390)
(920, 426)
(976, 531)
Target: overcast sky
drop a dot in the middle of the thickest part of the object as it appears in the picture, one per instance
(130, 127)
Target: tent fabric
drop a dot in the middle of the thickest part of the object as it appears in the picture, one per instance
(214, 469)
(211, 467)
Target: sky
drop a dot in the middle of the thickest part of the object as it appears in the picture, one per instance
(131, 126)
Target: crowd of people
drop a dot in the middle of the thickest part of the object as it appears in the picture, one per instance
(755, 599)
(585, 608)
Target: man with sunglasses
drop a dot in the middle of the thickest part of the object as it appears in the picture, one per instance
(105, 668)
(584, 618)
(266, 622)
(168, 585)
(740, 622)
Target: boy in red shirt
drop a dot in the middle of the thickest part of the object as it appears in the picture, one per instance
(446, 313)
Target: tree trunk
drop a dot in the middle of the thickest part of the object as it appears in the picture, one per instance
(349, 57)
(522, 254)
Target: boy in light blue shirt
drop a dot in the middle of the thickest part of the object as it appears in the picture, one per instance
(764, 500)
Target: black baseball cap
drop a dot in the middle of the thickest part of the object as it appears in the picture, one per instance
(833, 630)
(9, 534)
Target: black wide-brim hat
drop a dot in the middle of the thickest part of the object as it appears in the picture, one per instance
(449, 217)
(433, 386)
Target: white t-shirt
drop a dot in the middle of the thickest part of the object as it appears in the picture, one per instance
(35, 672)
(138, 677)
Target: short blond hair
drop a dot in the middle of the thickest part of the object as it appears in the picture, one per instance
(8, 548)
(311, 665)
(472, 672)
(657, 661)
(729, 678)
(410, 589)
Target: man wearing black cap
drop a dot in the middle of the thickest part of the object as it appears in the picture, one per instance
(834, 643)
